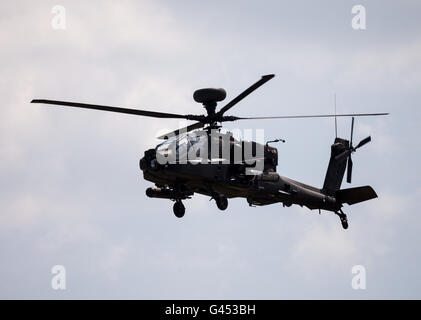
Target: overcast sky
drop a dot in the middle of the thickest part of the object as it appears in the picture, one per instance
(72, 193)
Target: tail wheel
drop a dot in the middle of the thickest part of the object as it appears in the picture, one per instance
(179, 209)
(344, 223)
(222, 203)
(343, 218)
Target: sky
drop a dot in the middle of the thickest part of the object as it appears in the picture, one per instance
(72, 194)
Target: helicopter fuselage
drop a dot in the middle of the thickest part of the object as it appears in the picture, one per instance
(213, 180)
(229, 179)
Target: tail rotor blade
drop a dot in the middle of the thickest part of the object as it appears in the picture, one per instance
(349, 170)
(352, 131)
(342, 156)
(363, 142)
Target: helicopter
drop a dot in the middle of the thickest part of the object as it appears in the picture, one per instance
(231, 172)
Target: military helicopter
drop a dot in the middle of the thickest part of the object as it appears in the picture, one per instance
(224, 176)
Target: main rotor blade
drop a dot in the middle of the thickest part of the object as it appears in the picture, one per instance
(313, 116)
(189, 128)
(245, 93)
(137, 112)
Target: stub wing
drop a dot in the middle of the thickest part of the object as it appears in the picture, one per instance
(355, 195)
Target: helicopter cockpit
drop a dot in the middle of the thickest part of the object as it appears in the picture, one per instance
(183, 147)
(218, 147)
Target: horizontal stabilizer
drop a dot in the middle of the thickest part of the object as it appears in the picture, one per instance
(355, 195)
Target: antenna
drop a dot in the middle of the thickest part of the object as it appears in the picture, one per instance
(276, 140)
(336, 124)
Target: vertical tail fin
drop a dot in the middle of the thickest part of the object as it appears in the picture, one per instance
(336, 169)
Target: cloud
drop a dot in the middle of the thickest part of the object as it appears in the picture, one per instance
(394, 69)
(322, 244)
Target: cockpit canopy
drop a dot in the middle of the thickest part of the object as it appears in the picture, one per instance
(216, 147)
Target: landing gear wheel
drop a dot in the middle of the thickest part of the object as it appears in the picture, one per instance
(179, 209)
(222, 203)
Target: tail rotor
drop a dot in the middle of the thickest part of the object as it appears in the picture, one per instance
(346, 155)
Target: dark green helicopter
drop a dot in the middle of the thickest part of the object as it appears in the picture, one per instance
(228, 171)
